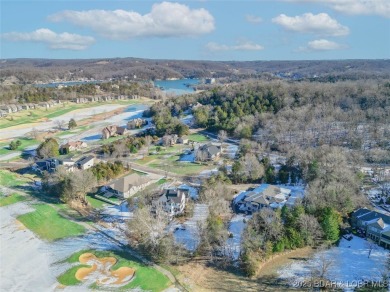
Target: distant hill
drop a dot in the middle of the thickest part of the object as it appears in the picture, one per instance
(30, 70)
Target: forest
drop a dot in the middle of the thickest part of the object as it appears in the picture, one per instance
(284, 114)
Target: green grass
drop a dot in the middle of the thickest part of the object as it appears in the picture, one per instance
(11, 199)
(161, 181)
(95, 203)
(10, 179)
(111, 139)
(73, 131)
(48, 224)
(185, 168)
(68, 278)
(25, 143)
(146, 277)
(197, 138)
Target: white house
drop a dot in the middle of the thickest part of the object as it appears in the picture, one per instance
(173, 200)
(86, 162)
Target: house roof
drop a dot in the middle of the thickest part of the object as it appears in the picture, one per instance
(75, 144)
(85, 159)
(375, 215)
(172, 196)
(210, 148)
(378, 224)
(360, 212)
(124, 184)
(121, 130)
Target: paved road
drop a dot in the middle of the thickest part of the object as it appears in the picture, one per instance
(214, 136)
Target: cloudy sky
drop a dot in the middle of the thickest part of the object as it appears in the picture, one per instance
(212, 30)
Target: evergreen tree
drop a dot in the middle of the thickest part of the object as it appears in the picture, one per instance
(72, 124)
(330, 224)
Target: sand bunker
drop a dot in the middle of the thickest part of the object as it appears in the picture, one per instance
(100, 270)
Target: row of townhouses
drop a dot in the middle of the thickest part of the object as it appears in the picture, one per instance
(373, 224)
(13, 108)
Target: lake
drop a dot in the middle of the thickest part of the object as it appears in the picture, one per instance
(178, 87)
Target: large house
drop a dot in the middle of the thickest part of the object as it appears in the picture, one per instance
(373, 224)
(112, 131)
(136, 123)
(85, 162)
(48, 164)
(173, 200)
(263, 196)
(207, 152)
(127, 186)
(72, 146)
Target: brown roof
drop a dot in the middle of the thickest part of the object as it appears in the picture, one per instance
(125, 183)
(121, 130)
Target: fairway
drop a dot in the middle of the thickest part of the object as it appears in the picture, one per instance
(197, 138)
(49, 225)
(146, 277)
(10, 179)
(11, 199)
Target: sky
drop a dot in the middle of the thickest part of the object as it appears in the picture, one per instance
(196, 30)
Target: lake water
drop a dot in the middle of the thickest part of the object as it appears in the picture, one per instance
(178, 87)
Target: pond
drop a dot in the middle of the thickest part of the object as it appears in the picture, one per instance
(178, 86)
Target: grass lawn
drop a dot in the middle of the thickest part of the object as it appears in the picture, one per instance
(198, 138)
(95, 203)
(48, 224)
(68, 278)
(73, 131)
(25, 143)
(188, 168)
(11, 199)
(10, 179)
(146, 159)
(162, 181)
(111, 139)
(146, 277)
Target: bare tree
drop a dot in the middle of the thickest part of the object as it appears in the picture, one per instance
(166, 140)
(60, 124)
(320, 269)
(120, 149)
(148, 142)
(309, 228)
(370, 245)
(222, 136)
(149, 226)
(83, 182)
(34, 133)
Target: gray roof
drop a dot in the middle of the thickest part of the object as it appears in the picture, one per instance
(172, 195)
(85, 159)
(360, 212)
(375, 215)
